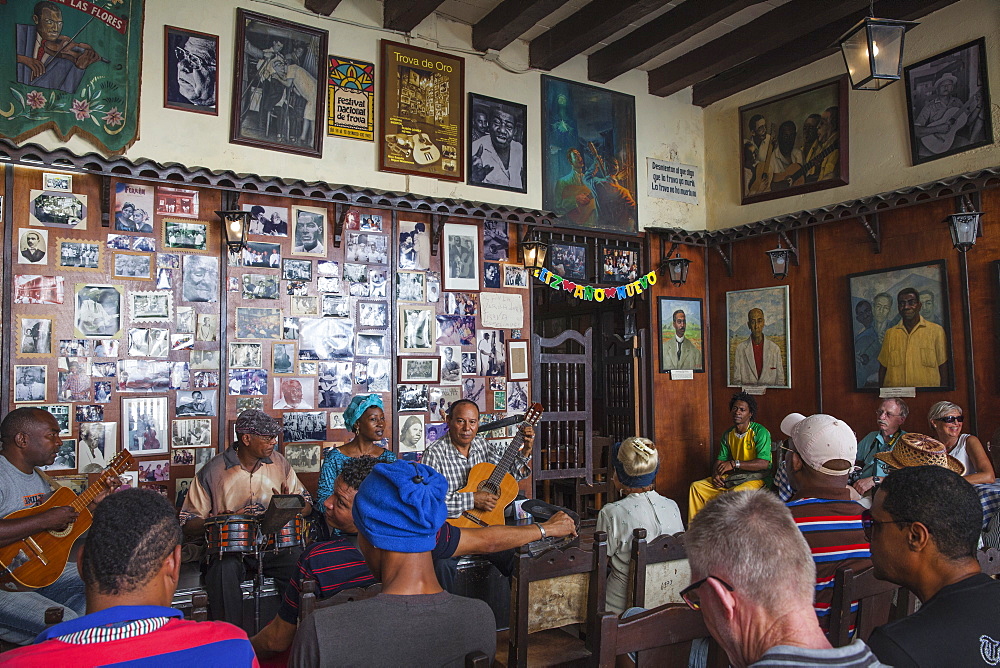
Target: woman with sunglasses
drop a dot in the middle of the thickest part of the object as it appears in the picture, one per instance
(946, 418)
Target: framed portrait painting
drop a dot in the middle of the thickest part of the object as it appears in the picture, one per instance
(889, 306)
(794, 143)
(948, 103)
(190, 70)
(588, 130)
(277, 102)
(682, 340)
(758, 318)
(497, 144)
(422, 112)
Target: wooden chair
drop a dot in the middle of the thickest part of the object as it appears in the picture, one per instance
(658, 570)
(199, 606)
(308, 602)
(875, 604)
(477, 660)
(668, 629)
(600, 488)
(556, 589)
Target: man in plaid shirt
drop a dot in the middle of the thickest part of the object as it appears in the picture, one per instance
(455, 453)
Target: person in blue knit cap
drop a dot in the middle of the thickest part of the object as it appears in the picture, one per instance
(398, 510)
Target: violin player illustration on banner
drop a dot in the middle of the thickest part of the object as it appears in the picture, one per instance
(74, 68)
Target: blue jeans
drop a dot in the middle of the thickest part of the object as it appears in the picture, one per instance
(22, 613)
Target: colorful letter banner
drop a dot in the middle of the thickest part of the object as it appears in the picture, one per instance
(74, 69)
(590, 293)
(351, 97)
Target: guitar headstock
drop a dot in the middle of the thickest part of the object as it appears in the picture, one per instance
(534, 414)
(122, 462)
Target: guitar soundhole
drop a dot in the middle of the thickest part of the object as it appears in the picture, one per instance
(487, 487)
(62, 534)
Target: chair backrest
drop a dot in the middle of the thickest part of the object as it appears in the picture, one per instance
(477, 659)
(658, 570)
(309, 602)
(874, 599)
(989, 561)
(669, 628)
(554, 589)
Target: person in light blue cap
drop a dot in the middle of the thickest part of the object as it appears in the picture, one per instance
(365, 417)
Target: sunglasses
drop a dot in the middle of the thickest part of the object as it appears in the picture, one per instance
(868, 523)
(951, 419)
(693, 598)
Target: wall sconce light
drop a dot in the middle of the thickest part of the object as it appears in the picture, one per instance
(533, 251)
(677, 266)
(235, 225)
(965, 226)
(873, 51)
(781, 257)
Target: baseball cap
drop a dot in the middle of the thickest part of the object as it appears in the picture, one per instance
(820, 439)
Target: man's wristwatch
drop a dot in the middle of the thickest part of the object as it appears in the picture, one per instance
(736, 464)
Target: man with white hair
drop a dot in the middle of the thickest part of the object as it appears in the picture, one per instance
(820, 454)
(759, 619)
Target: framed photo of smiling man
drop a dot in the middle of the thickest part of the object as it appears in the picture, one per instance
(497, 144)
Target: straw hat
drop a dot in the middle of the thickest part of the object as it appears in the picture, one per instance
(920, 450)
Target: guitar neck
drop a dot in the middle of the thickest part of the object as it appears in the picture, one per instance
(506, 462)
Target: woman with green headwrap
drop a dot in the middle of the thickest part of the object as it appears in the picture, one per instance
(364, 416)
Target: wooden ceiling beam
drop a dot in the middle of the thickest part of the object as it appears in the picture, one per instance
(659, 35)
(595, 21)
(768, 32)
(405, 15)
(802, 51)
(509, 20)
(322, 7)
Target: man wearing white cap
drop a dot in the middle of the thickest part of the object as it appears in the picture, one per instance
(818, 459)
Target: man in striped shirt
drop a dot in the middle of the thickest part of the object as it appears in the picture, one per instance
(130, 564)
(818, 459)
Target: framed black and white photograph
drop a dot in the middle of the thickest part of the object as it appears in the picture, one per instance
(304, 305)
(245, 355)
(151, 306)
(414, 245)
(260, 286)
(200, 279)
(96, 446)
(60, 182)
(185, 236)
(618, 265)
(335, 306)
(326, 338)
(568, 260)
(98, 311)
(282, 358)
(419, 369)
(262, 255)
(492, 352)
(497, 146)
(378, 279)
(193, 433)
(33, 246)
(410, 286)
(461, 256)
(278, 102)
(148, 342)
(304, 457)
(208, 327)
(80, 255)
(65, 457)
(300, 426)
(34, 336)
(57, 209)
(335, 384)
(328, 284)
(247, 382)
(327, 268)
(296, 270)
(491, 275)
(411, 398)
(30, 383)
(373, 314)
(367, 248)
(196, 403)
(205, 359)
(308, 231)
(143, 375)
(451, 365)
(411, 434)
(190, 71)
(433, 289)
(297, 288)
(517, 397)
(496, 241)
(470, 364)
(514, 276)
(63, 414)
(416, 328)
(144, 425)
(474, 389)
(948, 103)
(372, 344)
(293, 393)
(267, 221)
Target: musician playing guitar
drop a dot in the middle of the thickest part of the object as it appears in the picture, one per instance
(30, 440)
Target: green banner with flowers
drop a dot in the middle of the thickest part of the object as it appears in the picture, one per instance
(72, 66)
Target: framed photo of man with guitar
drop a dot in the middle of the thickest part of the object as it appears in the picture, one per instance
(948, 102)
(794, 143)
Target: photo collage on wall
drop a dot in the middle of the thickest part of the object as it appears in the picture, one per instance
(117, 327)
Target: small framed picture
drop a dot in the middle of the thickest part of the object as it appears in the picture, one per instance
(190, 71)
(419, 370)
(461, 256)
(186, 236)
(151, 306)
(514, 276)
(309, 231)
(618, 265)
(497, 134)
(60, 182)
(410, 286)
(196, 403)
(372, 344)
(293, 393)
(416, 328)
(412, 398)
(80, 255)
(366, 247)
(262, 255)
(305, 305)
(177, 202)
(568, 260)
(33, 246)
(304, 457)
(30, 383)
(63, 414)
(335, 306)
(282, 358)
(34, 336)
(57, 209)
(65, 457)
(268, 221)
(373, 314)
(260, 286)
(208, 327)
(518, 361)
(258, 323)
(133, 266)
(144, 425)
(302, 426)
(491, 275)
(296, 270)
(245, 355)
(411, 434)
(191, 433)
(451, 365)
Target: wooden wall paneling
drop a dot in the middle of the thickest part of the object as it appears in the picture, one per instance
(6, 298)
(679, 414)
(984, 298)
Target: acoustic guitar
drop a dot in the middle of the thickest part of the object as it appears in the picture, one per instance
(761, 181)
(957, 117)
(38, 560)
(496, 479)
(795, 175)
(424, 150)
